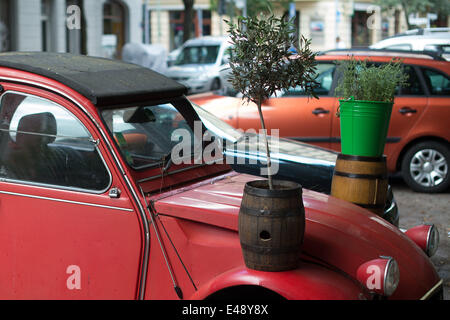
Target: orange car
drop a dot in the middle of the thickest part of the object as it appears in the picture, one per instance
(419, 131)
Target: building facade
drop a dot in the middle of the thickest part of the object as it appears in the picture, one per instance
(60, 26)
(102, 27)
(357, 23)
(164, 21)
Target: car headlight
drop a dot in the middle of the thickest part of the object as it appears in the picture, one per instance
(391, 278)
(380, 275)
(426, 236)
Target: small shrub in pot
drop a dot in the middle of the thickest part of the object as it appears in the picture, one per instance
(367, 91)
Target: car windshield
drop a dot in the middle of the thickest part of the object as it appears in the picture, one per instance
(146, 135)
(206, 54)
(255, 145)
(217, 126)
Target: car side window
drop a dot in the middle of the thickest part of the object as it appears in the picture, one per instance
(325, 74)
(226, 56)
(403, 46)
(438, 83)
(43, 143)
(414, 86)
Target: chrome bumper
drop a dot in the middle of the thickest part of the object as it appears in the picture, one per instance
(435, 293)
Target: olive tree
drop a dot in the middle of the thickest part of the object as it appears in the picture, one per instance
(265, 59)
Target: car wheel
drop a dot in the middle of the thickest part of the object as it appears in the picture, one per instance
(425, 167)
(215, 85)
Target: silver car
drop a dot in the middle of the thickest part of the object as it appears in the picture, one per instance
(438, 42)
(198, 63)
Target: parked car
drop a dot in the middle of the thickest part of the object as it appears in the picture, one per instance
(172, 56)
(424, 31)
(93, 208)
(438, 42)
(198, 62)
(310, 166)
(418, 137)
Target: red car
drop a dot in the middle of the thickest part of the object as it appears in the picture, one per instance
(91, 207)
(418, 142)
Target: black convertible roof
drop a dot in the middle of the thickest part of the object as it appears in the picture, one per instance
(104, 82)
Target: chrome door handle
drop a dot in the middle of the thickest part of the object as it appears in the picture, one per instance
(406, 110)
(320, 111)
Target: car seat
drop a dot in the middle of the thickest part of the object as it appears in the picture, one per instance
(31, 159)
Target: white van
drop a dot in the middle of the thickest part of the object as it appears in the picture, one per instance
(198, 63)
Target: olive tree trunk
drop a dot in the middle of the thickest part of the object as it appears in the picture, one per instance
(269, 162)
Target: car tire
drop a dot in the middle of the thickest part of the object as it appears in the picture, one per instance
(426, 167)
(215, 85)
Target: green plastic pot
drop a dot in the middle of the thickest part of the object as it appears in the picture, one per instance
(364, 127)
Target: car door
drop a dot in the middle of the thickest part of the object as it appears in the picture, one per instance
(295, 115)
(61, 234)
(409, 104)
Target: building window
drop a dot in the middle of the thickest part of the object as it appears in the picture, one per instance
(361, 35)
(384, 28)
(206, 22)
(114, 35)
(317, 31)
(176, 26)
(5, 27)
(176, 29)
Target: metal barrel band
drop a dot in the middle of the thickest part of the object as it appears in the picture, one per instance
(272, 213)
(361, 176)
(361, 158)
(269, 250)
(257, 189)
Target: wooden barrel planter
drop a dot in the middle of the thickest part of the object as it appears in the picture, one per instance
(272, 225)
(361, 180)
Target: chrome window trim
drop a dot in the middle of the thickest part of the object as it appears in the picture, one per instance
(56, 186)
(66, 201)
(432, 290)
(142, 213)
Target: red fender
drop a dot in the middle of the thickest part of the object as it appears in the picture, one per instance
(310, 281)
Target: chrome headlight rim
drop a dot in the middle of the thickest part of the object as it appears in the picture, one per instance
(432, 240)
(391, 270)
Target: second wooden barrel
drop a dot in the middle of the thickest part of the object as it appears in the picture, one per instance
(272, 225)
(361, 180)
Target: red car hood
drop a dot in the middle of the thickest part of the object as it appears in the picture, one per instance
(337, 232)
